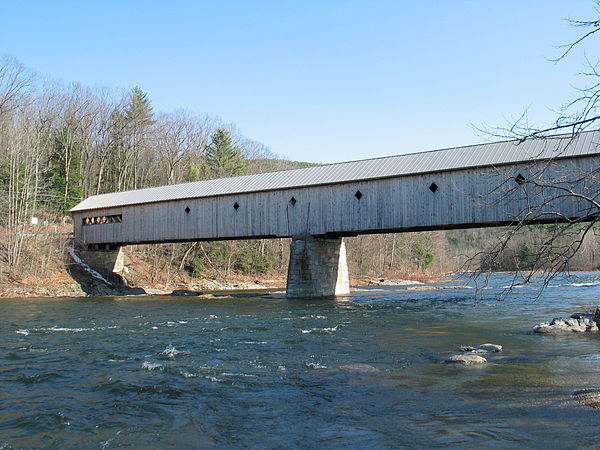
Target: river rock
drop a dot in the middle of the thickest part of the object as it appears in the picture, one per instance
(184, 293)
(576, 323)
(588, 397)
(481, 349)
(472, 350)
(491, 348)
(467, 359)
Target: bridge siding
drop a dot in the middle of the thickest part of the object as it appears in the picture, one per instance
(400, 203)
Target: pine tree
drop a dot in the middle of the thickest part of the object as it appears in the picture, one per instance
(129, 138)
(223, 159)
(139, 109)
(193, 173)
(140, 117)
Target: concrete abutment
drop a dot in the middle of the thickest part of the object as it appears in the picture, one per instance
(318, 268)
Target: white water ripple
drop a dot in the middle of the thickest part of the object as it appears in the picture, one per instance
(148, 365)
(171, 351)
(321, 330)
(186, 374)
(312, 365)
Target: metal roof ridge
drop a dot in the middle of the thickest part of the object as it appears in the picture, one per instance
(299, 172)
(351, 161)
(505, 141)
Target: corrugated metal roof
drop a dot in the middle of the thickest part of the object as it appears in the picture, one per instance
(489, 154)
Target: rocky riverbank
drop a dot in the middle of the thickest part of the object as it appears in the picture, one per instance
(74, 279)
(76, 282)
(64, 286)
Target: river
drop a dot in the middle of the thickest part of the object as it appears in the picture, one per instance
(266, 372)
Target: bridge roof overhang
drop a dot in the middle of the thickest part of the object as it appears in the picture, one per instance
(473, 156)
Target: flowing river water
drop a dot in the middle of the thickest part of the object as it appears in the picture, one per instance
(265, 372)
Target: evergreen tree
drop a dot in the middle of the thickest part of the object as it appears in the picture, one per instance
(139, 116)
(193, 173)
(129, 138)
(423, 256)
(139, 109)
(223, 159)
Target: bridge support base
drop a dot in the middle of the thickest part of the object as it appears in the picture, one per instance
(318, 268)
(106, 260)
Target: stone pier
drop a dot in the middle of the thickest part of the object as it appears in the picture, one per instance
(105, 260)
(318, 268)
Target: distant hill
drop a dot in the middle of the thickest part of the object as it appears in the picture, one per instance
(260, 165)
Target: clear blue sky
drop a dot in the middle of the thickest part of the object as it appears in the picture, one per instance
(318, 81)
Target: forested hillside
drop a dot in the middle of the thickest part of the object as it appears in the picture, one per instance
(60, 143)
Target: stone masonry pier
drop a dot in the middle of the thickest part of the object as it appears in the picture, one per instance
(318, 268)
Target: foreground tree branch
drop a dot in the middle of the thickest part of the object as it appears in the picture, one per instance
(564, 236)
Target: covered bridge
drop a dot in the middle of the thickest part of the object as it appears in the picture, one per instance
(489, 184)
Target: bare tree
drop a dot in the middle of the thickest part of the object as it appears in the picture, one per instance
(542, 187)
(18, 159)
(175, 139)
(15, 79)
(580, 113)
(542, 192)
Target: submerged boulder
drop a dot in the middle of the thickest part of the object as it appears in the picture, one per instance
(360, 367)
(481, 349)
(466, 359)
(472, 355)
(471, 349)
(184, 293)
(588, 397)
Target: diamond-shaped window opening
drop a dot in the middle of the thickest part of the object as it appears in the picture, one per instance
(433, 187)
(358, 195)
(236, 206)
(520, 179)
(293, 201)
(187, 209)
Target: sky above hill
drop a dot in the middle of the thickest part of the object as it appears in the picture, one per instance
(319, 81)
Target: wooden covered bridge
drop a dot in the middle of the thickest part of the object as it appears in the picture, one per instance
(491, 184)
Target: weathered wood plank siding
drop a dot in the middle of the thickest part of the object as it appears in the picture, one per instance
(405, 203)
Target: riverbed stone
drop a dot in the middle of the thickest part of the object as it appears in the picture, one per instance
(467, 359)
